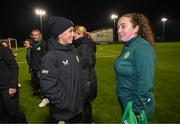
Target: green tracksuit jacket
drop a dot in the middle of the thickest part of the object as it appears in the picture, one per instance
(134, 70)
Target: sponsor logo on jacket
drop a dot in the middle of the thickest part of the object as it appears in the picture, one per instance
(39, 48)
(45, 71)
(65, 62)
(77, 58)
(126, 55)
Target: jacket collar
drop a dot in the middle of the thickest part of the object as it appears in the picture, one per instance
(128, 43)
(58, 46)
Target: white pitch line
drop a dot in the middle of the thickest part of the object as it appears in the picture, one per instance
(106, 56)
(22, 62)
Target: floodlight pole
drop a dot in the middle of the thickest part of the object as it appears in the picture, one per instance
(114, 17)
(41, 13)
(164, 22)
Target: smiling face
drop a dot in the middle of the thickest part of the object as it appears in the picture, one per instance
(67, 36)
(126, 31)
(36, 35)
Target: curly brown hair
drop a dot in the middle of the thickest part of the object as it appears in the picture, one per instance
(138, 19)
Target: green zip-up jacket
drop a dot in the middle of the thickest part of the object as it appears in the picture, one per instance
(134, 70)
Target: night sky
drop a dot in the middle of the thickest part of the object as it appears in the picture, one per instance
(18, 16)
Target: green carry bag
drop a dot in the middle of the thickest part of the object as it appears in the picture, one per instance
(141, 118)
(130, 118)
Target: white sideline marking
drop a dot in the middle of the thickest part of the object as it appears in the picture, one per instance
(22, 62)
(107, 56)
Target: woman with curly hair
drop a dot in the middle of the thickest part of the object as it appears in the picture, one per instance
(135, 66)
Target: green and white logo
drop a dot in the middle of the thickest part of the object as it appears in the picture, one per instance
(77, 58)
(126, 55)
(61, 122)
(39, 48)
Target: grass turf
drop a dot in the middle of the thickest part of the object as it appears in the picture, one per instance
(106, 108)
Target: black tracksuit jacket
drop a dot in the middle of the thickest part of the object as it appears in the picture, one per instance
(61, 81)
(37, 51)
(86, 48)
(8, 69)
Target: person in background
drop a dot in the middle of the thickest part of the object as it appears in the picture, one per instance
(27, 45)
(61, 80)
(9, 92)
(135, 67)
(86, 48)
(37, 51)
(5, 44)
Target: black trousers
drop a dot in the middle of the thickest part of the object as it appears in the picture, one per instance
(35, 79)
(87, 112)
(75, 119)
(9, 108)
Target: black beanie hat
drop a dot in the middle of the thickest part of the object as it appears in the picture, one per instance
(58, 25)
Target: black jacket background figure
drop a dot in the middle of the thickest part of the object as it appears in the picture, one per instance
(9, 95)
(87, 49)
